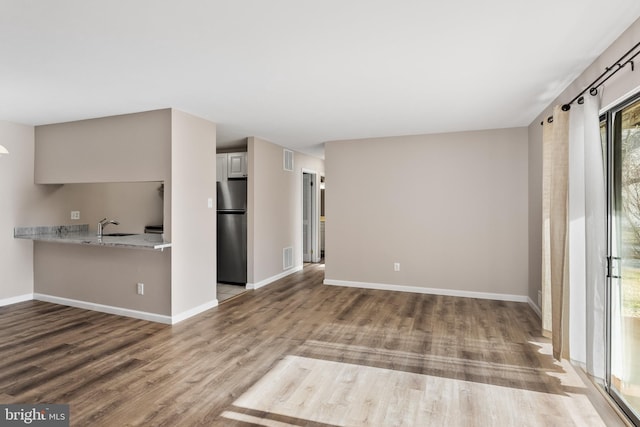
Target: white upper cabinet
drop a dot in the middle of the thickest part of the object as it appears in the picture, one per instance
(237, 165)
(221, 167)
(231, 165)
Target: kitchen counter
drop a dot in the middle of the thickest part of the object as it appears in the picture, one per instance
(80, 235)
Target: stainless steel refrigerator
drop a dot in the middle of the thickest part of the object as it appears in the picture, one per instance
(232, 231)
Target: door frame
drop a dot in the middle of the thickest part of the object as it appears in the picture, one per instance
(315, 214)
(609, 115)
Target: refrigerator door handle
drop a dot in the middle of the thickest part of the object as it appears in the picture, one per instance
(232, 211)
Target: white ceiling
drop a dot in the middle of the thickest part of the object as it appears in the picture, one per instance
(301, 72)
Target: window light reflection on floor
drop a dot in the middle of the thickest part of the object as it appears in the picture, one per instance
(344, 394)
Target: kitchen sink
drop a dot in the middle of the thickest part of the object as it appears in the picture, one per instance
(118, 234)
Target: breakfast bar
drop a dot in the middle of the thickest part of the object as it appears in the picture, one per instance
(80, 234)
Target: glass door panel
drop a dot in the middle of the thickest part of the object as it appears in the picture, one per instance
(624, 296)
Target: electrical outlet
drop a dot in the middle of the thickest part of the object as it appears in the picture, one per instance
(75, 214)
(396, 266)
(140, 288)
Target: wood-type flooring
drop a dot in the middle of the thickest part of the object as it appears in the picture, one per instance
(294, 353)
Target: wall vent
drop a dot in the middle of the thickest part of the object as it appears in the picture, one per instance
(287, 258)
(288, 160)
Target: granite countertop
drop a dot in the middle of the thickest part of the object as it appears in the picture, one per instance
(79, 234)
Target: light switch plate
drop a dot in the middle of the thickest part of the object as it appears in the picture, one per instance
(210, 203)
(75, 214)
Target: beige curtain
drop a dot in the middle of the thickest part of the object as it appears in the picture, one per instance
(555, 260)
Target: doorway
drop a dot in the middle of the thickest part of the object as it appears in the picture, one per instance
(322, 218)
(310, 217)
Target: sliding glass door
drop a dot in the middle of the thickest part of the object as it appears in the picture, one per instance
(624, 257)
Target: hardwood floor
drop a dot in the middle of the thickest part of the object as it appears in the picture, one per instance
(297, 353)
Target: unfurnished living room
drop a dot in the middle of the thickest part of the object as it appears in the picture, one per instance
(287, 213)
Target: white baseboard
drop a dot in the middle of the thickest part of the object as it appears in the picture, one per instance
(16, 299)
(272, 279)
(144, 315)
(153, 317)
(433, 291)
(534, 307)
(194, 311)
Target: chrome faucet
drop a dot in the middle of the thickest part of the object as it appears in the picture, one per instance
(103, 223)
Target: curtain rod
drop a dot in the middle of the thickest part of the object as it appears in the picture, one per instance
(602, 78)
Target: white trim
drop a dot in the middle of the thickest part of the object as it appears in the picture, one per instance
(630, 94)
(153, 317)
(534, 307)
(434, 291)
(272, 279)
(315, 214)
(194, 311)
(16, 299)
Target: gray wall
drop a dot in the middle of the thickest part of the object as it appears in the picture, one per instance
(98, 158)
(129, 147)
(133, 204)
(450, 208)
(125, 148)
(104, 275)
(274, 208)
(24, 203)
(535, 212)
(18, 195)
(193, 180)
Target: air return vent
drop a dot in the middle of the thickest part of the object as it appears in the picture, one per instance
(287, 258)
(288, 160)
